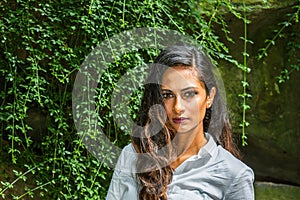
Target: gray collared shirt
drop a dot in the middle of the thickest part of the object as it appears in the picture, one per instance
(213, 173)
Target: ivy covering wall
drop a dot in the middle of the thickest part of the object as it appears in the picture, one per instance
(42, 46)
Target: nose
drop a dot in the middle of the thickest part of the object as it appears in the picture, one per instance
(178, 105)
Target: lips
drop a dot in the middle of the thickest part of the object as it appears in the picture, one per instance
(179, 120)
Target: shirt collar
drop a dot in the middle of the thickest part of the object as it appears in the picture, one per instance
(209, 148)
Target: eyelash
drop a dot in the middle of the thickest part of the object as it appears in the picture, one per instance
(167, 95)
(190, 94)
(186, 95)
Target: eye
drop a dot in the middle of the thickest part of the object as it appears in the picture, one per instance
(190, 94)
(168, 95)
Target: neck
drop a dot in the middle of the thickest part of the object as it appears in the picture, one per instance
(188, 144)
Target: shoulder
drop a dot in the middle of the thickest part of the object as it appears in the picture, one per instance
(123, 184)
(240, 175)
(231, 163)
(127, 159)
(222, 160)
(129, 149)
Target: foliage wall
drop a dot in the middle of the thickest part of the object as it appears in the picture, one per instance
(43, 44)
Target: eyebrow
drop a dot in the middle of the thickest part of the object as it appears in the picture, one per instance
(185, 89)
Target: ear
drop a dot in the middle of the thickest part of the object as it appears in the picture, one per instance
(210, 97)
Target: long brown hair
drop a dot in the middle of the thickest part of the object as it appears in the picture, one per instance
(153, 142)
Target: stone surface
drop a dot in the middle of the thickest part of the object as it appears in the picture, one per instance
(274, 131)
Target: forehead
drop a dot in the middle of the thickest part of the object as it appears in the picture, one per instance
(179, 77)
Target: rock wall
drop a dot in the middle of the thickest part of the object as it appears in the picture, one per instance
(274, 131)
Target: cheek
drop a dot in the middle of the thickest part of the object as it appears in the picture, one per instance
(198, 106)
(168, 107)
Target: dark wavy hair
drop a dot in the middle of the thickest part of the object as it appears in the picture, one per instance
(153, 142)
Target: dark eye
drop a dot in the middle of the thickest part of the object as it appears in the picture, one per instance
(168, 95)
(190, 94)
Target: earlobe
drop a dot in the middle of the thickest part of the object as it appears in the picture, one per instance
(208, 102)
(210, 97)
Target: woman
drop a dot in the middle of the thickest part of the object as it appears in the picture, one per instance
(185, 149)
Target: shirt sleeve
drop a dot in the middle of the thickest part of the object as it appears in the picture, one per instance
(123, 184)
(242, 186)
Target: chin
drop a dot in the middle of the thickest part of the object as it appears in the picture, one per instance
(186, 129)
(183, 131)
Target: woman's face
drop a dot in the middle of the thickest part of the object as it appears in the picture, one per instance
(185, 99)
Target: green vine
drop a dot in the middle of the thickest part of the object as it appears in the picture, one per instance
(294, 17)
(244, 82)
(42, 47)
(293, 46)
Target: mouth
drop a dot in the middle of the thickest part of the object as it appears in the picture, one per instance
(179, 120)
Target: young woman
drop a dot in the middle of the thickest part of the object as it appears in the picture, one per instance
(184, 149)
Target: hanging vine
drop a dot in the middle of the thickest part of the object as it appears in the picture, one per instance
(244, 95)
